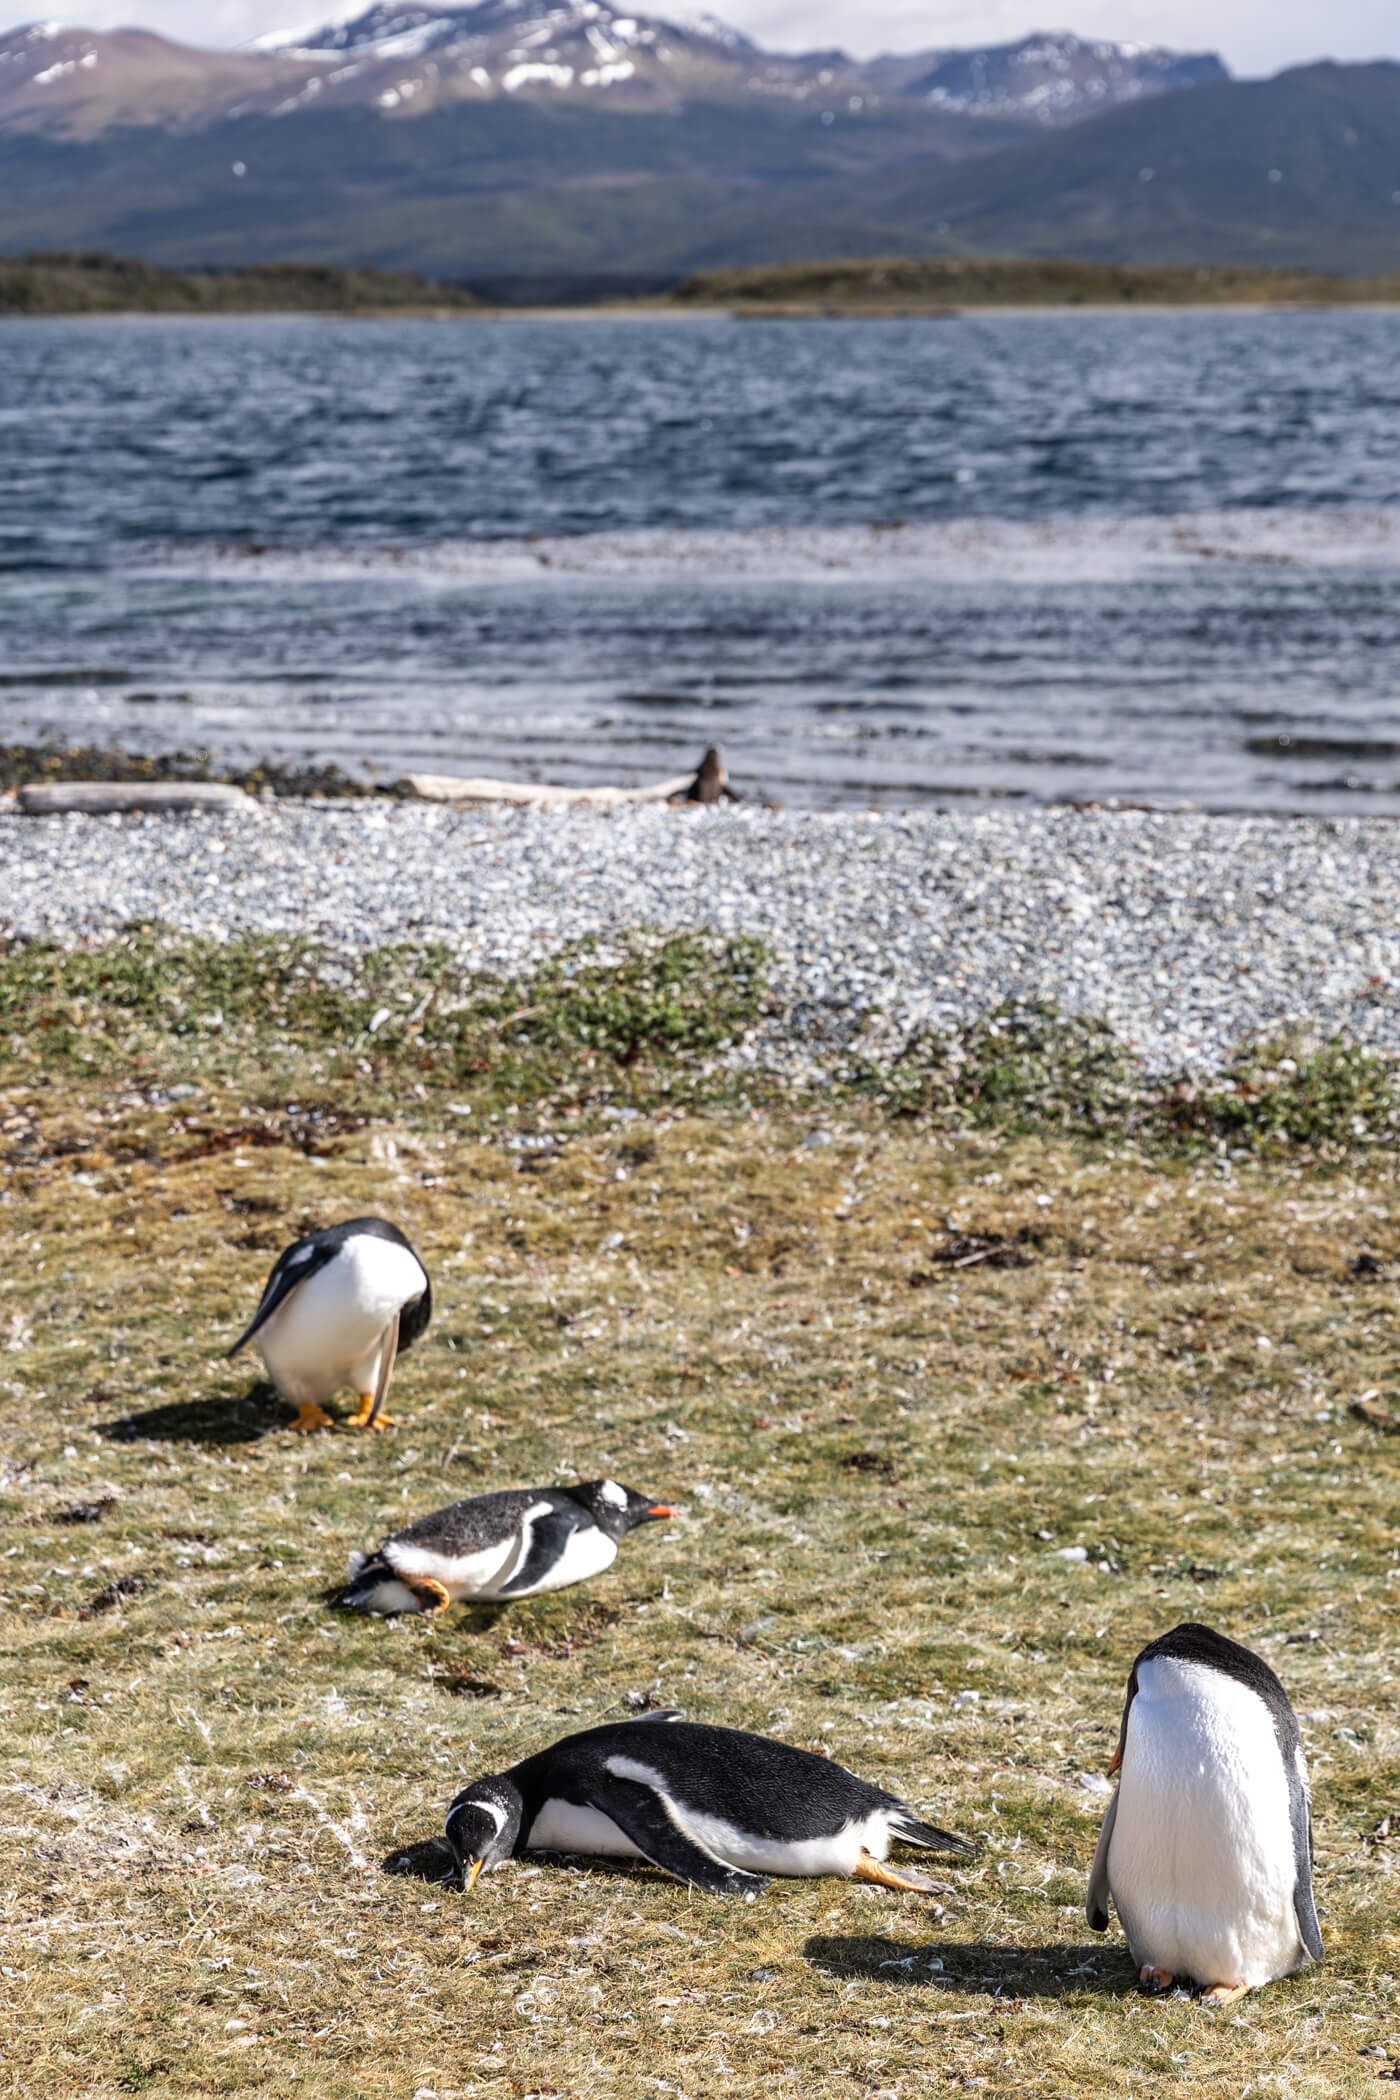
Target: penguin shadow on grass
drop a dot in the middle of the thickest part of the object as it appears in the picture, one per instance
(471, 1619)
(230, 1418)
(1064, 1969)
(431, 1860)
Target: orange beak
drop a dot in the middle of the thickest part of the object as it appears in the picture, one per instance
(1117, 1759)
(664, 1509)
(475, 1870)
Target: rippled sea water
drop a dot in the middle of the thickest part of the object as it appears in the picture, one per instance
(1150, 557)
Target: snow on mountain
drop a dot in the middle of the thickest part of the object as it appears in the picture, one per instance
(405, 57)
(1053, 78)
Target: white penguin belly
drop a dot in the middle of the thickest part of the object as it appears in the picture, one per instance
(1201, 1863)
(331, 1325)
(587, 1551)
(566, 1826)
(461, 1575)
(835, 1852)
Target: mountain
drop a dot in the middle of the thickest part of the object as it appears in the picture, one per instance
(1301, 170)
(404, 61)
(517, 142)
(1054, 79)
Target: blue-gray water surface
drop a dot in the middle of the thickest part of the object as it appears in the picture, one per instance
(1149, 557)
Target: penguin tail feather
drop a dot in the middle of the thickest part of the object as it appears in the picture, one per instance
(910, 1831)
(373, 1586)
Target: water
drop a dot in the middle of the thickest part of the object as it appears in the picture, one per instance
(1149, 557)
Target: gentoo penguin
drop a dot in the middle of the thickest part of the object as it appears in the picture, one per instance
(337, 1309)
(716, 1807)
(1207, 1845)
(516, 1543)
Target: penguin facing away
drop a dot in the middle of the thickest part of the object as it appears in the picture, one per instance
(338, 1308)
(1206, 1849)
(515, 1543)
(716, 1807)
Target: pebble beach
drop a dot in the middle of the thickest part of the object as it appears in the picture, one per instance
(1188, 934)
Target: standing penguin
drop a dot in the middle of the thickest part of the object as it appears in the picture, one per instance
(517, 1542)
(1207, 1845)
(716, 1807)
(337, 1309)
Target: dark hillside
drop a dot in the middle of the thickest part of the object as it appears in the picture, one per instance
(1303, 170)
(1300, 172)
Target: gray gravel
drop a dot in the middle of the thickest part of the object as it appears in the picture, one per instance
(1189, 934)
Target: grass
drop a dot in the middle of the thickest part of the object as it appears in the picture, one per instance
(22, 764)
(92, 282)
(913, 284)
(893, 1351)
(96, 283)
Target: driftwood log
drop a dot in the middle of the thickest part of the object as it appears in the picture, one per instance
(708, 783)
(446, 787)
(48, 798)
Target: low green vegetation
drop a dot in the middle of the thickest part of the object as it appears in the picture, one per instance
(1031, 1069)
(96, 283)
(914, 284)
(63, 282)
(638, 1023)
(22, 764)
(596, 1024)
(899, 1347)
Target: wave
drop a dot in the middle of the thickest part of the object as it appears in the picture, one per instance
(1062, 550)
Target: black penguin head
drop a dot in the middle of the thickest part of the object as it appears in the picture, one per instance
(615, 1509)
(482, 1826)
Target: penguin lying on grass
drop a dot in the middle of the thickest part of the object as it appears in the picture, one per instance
(715, 1807)
(1207, 1845)
(337, 1309)
(516, 1543)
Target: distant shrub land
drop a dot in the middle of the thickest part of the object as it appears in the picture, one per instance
(95, 283)
(913, 284)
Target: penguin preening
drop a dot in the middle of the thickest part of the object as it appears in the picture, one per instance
(518, 1542)
(1206, 1849)
(338, 1308)
(715, 1807)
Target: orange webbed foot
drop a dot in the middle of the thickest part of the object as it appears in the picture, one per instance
(425, 1584)
(888, 1877)
(1155, 1981)
(365, 1418)
(310, 1416)
(1223, 1993)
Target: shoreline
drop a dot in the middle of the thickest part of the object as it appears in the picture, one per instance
(719, 313)
(1186, 935)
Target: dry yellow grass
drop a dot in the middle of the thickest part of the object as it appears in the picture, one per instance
(220, 1799)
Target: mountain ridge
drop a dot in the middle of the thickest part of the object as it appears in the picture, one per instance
(405, 59)
(708, 154)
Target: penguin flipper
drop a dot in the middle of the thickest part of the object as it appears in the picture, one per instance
(1096, 1907)
(1304, 1908)
(289, 1270)
(640, 1814)
(549, 1535)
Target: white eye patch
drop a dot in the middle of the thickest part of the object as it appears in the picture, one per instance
(611, 1492)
